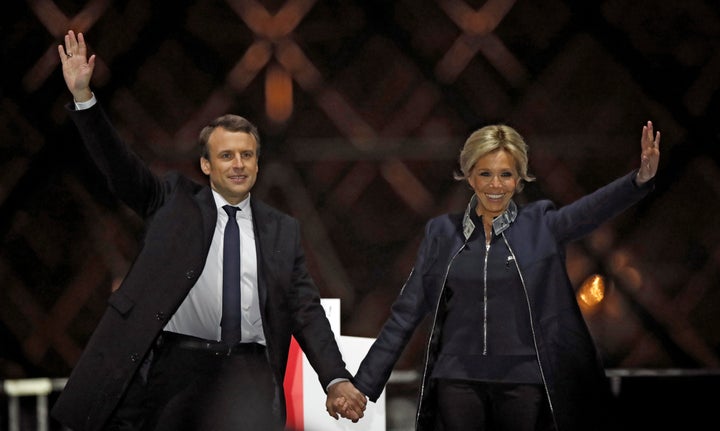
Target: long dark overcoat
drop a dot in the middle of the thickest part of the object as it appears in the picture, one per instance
(181, 216)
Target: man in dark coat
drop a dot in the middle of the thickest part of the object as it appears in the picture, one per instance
(159, 357)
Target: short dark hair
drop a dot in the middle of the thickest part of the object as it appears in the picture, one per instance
(231, 123)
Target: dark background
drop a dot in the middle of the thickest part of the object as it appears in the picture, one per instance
(363, 107)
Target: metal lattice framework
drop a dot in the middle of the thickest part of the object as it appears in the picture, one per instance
(363, 107)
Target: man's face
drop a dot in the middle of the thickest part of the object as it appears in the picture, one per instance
(232, 164)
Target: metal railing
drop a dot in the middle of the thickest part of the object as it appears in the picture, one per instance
(40, 388)
(616, 375)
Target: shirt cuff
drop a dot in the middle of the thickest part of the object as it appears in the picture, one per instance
(336, 381)
(79, 106)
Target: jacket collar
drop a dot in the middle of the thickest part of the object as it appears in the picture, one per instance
(500, 223)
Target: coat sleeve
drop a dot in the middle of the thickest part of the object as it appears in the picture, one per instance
(408, 310)
(581, 217)
(127, 176)
(310, 325)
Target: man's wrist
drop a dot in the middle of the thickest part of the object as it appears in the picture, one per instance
(86, 104)
(336, 381)
(82, 95)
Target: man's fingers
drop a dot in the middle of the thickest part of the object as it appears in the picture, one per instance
(331, 411)
(353, 412)
(82, 47)
(352, 415)
(359, 401)
(71, 40)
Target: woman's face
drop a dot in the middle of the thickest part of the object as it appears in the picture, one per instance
(494, 177)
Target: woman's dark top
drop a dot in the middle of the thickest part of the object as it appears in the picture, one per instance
(486, 344)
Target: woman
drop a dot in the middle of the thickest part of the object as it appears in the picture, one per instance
(508, 349)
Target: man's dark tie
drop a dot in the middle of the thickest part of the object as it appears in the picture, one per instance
(231, 317)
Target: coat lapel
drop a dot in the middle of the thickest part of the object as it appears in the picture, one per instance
(265, 236)
(208, 213)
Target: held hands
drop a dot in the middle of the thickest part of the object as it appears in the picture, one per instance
(77, 69)
(345, 400)
(650, 155)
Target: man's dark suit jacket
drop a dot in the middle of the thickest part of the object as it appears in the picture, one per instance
(180, 218)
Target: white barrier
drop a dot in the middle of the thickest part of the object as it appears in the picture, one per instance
(306, 398)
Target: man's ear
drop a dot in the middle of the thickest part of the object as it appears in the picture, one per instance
(205, 165)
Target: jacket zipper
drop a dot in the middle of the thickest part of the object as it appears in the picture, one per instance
(485, 298)
(432, 331)
(532, 330)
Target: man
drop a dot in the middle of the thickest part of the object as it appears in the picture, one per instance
(170, 353)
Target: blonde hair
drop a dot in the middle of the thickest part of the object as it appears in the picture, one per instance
(494, 138)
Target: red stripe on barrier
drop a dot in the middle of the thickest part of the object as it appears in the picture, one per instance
(293, 386)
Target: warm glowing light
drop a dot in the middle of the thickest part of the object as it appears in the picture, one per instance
(592, 290)
(278, 94)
